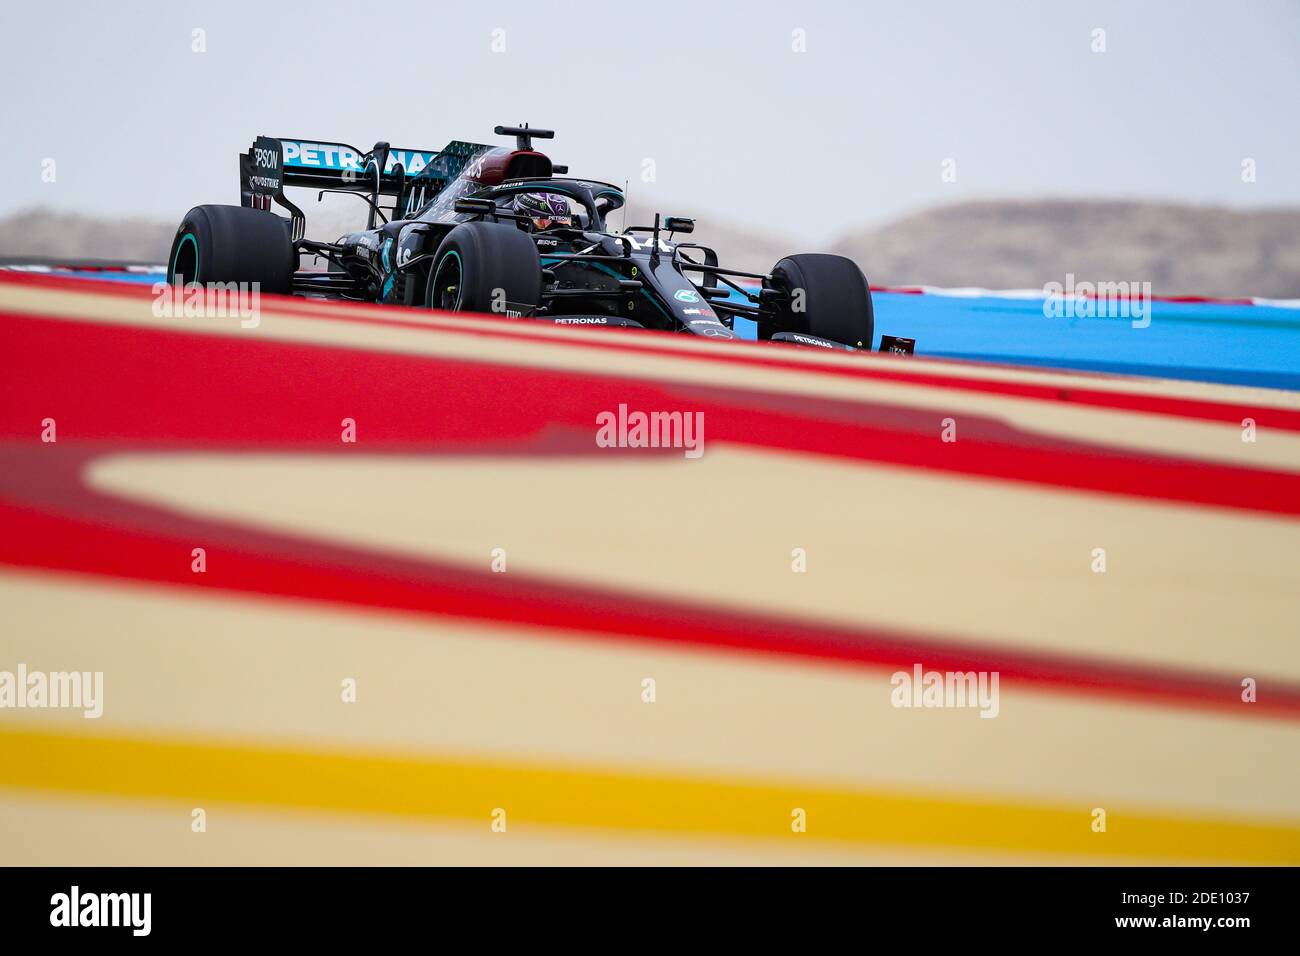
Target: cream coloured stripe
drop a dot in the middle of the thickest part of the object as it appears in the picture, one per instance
(984, 561)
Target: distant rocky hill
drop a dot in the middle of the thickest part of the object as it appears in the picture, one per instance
(43, 232)
(1179, 249)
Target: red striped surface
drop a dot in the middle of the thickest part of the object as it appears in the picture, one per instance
(509, 396)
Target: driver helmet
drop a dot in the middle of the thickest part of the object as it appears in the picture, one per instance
(547, 210)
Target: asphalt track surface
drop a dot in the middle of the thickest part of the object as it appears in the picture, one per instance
(523, 691)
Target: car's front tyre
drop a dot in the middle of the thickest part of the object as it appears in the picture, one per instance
(826, 296)
(485, 267)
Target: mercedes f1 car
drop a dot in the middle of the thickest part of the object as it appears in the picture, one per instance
(477, 228)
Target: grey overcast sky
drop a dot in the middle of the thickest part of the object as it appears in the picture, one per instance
(740, 126)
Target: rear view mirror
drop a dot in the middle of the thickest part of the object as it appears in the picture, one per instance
(679, 224)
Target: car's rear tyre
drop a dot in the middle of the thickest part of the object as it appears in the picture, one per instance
(829, 297)
(485, 267)
(233, 244)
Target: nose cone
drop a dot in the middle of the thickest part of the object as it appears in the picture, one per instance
(698, 316)
(710, 329)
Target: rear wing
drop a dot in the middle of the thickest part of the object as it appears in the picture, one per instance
(272, 163)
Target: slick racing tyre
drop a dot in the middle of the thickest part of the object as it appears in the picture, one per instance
(829, 298)
(485, 267)
(233, 244)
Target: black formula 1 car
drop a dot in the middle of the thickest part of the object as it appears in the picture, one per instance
(477, 228)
